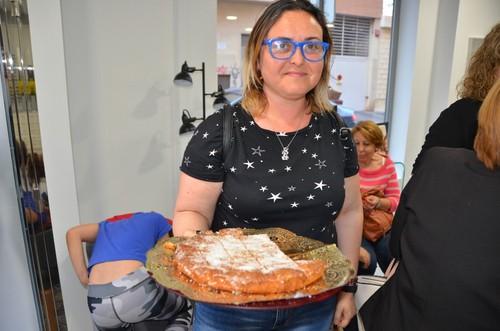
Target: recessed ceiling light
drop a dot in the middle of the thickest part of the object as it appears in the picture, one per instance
(248, 29)
(231, 18)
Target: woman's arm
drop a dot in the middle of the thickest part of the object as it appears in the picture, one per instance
(349, 223)
(195, 206)
(349, 227)
(74, 239)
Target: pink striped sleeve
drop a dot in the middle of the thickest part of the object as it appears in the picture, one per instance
(392, 190)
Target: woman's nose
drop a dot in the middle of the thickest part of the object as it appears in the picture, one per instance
(297, 57)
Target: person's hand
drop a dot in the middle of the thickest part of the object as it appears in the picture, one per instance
(391, 269)
(371, 201)
(345, 310)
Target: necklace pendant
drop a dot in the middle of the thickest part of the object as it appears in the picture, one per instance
(284, 154)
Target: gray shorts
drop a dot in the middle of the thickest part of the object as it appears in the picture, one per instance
(134, 298)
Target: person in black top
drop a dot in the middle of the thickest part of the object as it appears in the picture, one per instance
(287, 166)
(456, 126)
(445, 235)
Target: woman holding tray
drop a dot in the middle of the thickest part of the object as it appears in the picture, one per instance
(289, 165)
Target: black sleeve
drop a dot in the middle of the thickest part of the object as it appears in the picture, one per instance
(351, 157)
(203, 155)
(399, 222)
(455, 127)
(404, 213)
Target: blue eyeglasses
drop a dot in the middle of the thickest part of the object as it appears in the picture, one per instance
(284, 48)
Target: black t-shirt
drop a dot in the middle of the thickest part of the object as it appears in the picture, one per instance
(303, 194)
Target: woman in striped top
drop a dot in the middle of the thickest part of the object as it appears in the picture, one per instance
(376, 171)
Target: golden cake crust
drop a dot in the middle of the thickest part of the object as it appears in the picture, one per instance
(232, 261)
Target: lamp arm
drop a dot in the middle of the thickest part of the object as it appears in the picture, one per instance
(203, 88)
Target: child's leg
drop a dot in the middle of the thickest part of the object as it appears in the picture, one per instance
(134, 298)
(103, 314)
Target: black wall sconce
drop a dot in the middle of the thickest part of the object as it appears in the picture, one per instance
(183, 78)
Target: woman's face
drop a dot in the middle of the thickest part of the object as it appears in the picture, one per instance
(292, 78)
(364, 147)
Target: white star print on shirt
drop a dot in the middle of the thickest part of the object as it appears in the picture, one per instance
(209, 166)
(329, 204)
(243, 128)
(288, 168)
(205, 135)
(233, 169)
(334, 130)
(320, 164)
(257, 151)
(317, 136)
(319, 185)
(275, 197)
(212, 152)
(263, 188)
(294, 204)
(314, 155)
(249, 164)
(187, 161)
(310, 197)
(304, 150)
(291, 188)
(281, 134)
(272, 171)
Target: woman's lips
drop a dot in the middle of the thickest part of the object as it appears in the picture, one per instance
(295, 74)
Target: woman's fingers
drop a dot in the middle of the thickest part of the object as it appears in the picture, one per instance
(391, 269)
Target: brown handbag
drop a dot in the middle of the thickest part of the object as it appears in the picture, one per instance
(376, 222)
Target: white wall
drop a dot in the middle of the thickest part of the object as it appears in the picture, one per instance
(15, 283)
(475, 19)
(229, 32)
(109, 112)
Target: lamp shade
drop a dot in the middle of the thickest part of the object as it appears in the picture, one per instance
(187, 122)
(186, 127)
(220, 101)
(183, 79)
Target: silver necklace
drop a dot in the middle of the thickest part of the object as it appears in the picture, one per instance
(285, 150)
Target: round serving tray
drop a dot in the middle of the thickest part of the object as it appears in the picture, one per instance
(338, 271)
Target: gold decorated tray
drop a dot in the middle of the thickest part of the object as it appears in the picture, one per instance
(338, 271)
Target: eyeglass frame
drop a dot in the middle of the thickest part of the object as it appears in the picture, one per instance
(300, 44)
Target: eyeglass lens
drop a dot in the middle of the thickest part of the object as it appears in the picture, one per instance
(284, 49)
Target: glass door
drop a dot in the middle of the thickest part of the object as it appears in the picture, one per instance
(18, 83)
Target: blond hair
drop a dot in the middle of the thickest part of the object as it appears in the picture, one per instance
(254, 100)
(371, 131)
(487, 141)
(480, 75)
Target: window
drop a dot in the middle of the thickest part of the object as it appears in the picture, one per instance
(351, 35)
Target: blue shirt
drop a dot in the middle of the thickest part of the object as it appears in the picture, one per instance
(128, 237)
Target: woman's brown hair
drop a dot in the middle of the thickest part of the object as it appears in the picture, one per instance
(487, 141)
(371, 131)
(254, 100)
(480, 75)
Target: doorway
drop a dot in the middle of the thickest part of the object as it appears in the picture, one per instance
(19, 89)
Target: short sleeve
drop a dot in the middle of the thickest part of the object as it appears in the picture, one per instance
(351, 157)
(162, 225)
(203, 155)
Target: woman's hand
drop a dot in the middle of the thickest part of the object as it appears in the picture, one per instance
(345, 310)
(371, 202)
(391, 269)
